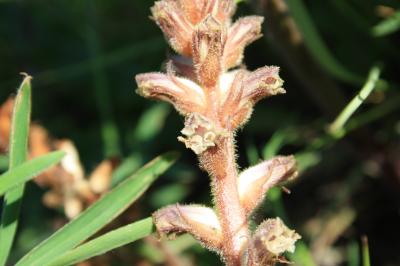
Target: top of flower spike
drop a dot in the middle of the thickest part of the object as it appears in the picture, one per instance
(179, 19)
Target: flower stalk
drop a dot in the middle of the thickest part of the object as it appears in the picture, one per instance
(216, 97)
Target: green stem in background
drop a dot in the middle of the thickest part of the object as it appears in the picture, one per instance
(387, 26)
(101, 92)
(336, 129)
(18, 154)
(111, 240)
(365, 251)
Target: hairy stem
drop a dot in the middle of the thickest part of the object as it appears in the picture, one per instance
(220, 162)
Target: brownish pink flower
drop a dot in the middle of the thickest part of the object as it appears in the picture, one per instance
(200, 221)
(180, 19)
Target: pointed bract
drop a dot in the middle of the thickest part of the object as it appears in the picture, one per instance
(243, 32)
(208, 42)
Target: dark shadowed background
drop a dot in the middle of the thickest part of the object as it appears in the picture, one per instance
(83, 56)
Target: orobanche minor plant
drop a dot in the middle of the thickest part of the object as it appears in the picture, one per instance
(215, 101)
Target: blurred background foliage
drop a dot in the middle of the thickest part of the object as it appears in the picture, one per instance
(83, 56)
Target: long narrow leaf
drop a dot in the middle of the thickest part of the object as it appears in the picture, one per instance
(18, 154)
(98, 215)
(316, 45)
(28, 170)
(114, 239)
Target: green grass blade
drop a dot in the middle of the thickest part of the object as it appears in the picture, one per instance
(26, 171)
(102, 244)
(365, 251)
(387, 26)
(316, 45)
(336, 129)
(3, 162)
(99, 214)
(18, 154)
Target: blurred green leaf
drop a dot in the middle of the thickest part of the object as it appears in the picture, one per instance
(336, 129)
(274, 144)
(18, 154)
(302, 255)
(316, 45)
(252, 153)
(307, 160)
(387, 26)
(150, 123)
(25, 171)
(168, 194)
(99, 214)
(128, 166)
(101, 91)
(102, 244)
(353, 254)
(3, 162)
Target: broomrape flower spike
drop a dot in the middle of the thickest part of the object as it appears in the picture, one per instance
(215, 100)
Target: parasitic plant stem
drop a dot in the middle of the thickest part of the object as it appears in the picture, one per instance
(206, 85)
(220, 162)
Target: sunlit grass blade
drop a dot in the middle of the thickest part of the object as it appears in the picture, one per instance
(387, 26)
(99, 214)
(365, 251)
(102, 244)
(336, 129)
(25, 171)
(18, 154)
(316, 45)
